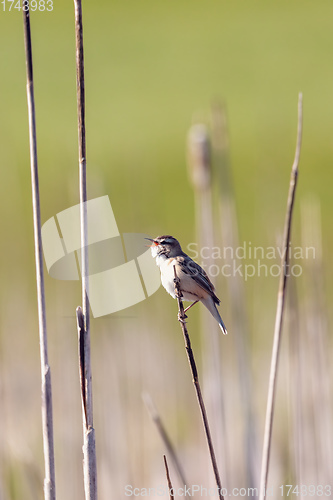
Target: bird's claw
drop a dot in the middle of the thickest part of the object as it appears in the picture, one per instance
(182, 318)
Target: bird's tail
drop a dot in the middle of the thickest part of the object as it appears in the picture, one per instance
(211, 306)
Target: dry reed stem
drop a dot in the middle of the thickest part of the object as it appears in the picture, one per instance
(280, 309)
(89, 452)
(82, 157)
(168, 478)
(195, 378)
(47, 417)
(164, 436)
(315, 325)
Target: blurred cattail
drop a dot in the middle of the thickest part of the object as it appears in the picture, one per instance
(229, 231)
(200, 172)
(199, 157)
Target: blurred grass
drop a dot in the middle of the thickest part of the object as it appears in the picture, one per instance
(149, 68)
(152, 67)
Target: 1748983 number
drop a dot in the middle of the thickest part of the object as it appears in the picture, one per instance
(41, 5)
(306, 490)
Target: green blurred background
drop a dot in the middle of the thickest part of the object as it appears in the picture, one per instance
(152, 68)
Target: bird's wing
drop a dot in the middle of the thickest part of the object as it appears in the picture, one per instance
(188, 266)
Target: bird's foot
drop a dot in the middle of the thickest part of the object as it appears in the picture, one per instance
(182, 317)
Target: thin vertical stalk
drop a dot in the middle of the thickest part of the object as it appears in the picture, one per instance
(280, 309)
(168, 478)
(83, 319)
(80, 86)
(195, 378)
(47, 416)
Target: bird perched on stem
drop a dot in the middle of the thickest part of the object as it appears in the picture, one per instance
(194, 282)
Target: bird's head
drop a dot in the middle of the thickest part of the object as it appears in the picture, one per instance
(165, 245)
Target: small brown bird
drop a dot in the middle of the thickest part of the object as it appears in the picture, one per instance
(194, 282)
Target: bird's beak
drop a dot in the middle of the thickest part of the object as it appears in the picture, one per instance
(153, 241)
